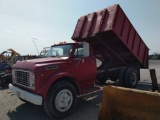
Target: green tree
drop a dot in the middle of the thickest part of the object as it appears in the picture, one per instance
(156, 55)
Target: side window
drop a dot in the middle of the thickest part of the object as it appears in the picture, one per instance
(79, 52)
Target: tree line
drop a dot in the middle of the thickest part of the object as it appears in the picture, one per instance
(154, 56)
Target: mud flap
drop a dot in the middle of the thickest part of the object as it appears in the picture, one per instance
(129, 104)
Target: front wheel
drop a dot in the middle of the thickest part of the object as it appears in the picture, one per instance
(61, 100)
(131, 78)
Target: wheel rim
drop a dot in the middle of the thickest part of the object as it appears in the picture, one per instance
(134, 78)
(63, 100)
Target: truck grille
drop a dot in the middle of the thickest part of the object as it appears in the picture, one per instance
(22, 78)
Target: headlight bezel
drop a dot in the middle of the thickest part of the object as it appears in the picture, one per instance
(32, 80)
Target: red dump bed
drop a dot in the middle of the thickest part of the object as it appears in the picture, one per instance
(112, 36)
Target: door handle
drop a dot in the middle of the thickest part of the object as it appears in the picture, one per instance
(80, 61)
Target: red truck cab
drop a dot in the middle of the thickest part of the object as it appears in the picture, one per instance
(67, 70)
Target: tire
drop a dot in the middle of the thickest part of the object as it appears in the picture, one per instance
(61, 100)
(5, 80)
(131, 78)
(121, 78)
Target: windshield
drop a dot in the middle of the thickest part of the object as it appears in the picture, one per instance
(63, 50)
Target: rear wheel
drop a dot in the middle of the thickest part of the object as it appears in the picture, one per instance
(131, 78)
(61, 100)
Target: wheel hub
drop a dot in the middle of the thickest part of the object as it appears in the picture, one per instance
(63, 100)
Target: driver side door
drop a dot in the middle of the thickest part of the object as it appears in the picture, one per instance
(84, 66)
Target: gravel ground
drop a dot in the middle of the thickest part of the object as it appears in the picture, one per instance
(11, 108)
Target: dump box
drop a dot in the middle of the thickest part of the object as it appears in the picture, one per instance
(112, 37)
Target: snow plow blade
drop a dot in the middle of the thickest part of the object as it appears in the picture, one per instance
(129, 104)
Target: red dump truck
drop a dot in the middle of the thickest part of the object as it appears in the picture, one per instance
(69, 69)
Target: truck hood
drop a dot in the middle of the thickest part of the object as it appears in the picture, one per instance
(41, 62)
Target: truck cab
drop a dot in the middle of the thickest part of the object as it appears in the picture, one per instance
(67, 70)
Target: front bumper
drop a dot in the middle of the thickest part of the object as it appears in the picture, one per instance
(25, 95)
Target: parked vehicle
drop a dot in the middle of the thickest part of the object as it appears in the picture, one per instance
(69, 69)
(4, 56)
(8, 58)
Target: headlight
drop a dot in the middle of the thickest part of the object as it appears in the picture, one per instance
(13, 75)
(32, 81)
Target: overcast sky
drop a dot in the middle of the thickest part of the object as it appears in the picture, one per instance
(46, 22)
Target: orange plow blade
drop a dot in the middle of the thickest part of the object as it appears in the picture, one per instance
(129, 104)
